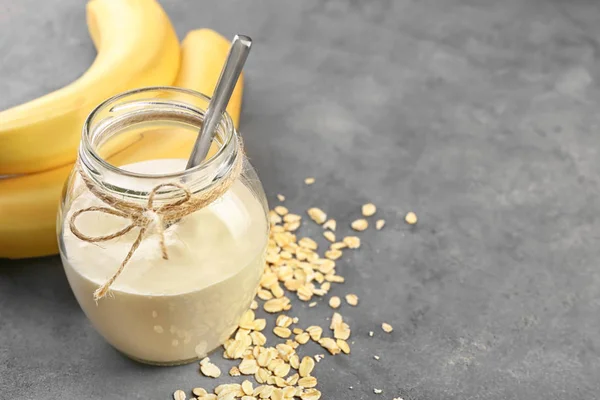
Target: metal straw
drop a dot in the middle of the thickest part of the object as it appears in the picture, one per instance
(238, 52)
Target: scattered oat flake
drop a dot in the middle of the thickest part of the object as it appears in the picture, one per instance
(335, 278)
(264, 294)
(330, 224)
(352, 299)
(258, 339)
(261, 376)
(333, 254)
(307, 243)
(263, 391)
(377, 391)
(274, 218)
(277, 394)
(334, 302)
(276, 305)
(247, 388)
(342, 331)
(306, 366)
(283, 321)
(248, 366)
(211, 370)
(308, 382)
(281, 210)
(360, 225)
(369, 209)
(411, 218)
(352, 242)
(282, 332)
(309, 181)
(343, 345)
(285, 350)
(338, 246)
(293, 379)
(302, 338)
(259, 324)
(330, 345)
(227, 388)
(310, 394)
(387, 327)
(247, 320)
(289, 392)
(317, 215)
(304, 293)
(179, 395)
(282, 370)
(292, 265)
(379, 224)
(336, 320)
(329, 236)
(204, 360)
(292, 218)
(315, 332)
(291, 226)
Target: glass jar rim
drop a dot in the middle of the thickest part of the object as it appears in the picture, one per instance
(88, 149)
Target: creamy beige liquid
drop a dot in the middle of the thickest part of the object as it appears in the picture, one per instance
(176, 310)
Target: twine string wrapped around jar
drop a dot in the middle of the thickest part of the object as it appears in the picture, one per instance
(150, 218)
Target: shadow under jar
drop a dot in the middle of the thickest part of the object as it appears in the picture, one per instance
(162, 311)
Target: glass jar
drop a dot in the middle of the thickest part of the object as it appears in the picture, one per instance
(174, 310)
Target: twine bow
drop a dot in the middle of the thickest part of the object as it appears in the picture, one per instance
(150, 217)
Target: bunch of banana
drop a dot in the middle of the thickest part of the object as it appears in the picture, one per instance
(136, 47)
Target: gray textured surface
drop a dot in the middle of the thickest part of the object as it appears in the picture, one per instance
(481, 116)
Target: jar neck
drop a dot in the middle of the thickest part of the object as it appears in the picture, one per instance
(147, 108)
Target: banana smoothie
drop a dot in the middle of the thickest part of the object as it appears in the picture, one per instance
(176, 310)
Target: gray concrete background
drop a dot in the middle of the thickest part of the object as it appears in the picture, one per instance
(480, 116)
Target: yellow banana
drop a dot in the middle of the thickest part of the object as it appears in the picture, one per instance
(137, 47)
(28, 204)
